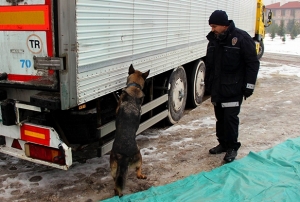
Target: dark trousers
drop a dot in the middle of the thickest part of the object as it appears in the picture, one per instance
(227, 125)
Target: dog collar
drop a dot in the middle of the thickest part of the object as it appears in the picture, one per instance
(134, 84)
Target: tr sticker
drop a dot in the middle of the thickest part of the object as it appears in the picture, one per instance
(34, 44)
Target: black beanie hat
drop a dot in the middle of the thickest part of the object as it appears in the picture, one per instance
(218, 17)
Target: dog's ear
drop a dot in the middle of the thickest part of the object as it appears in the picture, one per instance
(146, 74)
(131, 70)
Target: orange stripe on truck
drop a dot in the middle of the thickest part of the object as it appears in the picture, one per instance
(34, 134)
(14, 18)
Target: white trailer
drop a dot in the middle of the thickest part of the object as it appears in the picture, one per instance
(63, 63)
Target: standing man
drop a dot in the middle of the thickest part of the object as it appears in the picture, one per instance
(231, 72)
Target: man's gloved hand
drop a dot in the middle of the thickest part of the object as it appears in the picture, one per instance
(247, 93)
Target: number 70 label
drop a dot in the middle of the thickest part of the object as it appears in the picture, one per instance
(25, 63)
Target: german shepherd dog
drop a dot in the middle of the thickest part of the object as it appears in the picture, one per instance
(125, 152)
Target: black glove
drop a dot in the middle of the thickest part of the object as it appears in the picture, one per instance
(247, 93)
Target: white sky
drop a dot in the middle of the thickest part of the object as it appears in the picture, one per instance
(268, 2)
(55, 176)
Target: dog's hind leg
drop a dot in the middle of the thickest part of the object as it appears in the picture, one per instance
(113, 169)
(121, 175)
(113, 165)
(119, 168)
(137, 163)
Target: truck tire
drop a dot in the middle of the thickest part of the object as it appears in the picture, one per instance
(177, 95)
(261, 49)
(196, 86)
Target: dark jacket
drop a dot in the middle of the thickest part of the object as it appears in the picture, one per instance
(231, 64)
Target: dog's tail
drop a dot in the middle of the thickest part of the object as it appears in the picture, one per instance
(121, 175)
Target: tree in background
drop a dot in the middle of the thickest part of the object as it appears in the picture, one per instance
(283, 39)
(295, 31)
(290, 25)
(273, 34)
(272, 28)
(281, 30)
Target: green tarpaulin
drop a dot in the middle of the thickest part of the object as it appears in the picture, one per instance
(271, 175)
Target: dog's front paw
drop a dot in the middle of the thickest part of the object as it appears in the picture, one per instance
(141, 176)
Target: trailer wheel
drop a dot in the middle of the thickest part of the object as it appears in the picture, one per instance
(177, 95)
(261, 49)
(196, 86)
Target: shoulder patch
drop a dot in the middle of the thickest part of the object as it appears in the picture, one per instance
(234, 40)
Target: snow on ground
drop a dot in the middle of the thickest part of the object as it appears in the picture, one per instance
(266, 71)
(276, 45)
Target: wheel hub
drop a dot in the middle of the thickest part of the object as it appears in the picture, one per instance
(178, 95)
(199, 83)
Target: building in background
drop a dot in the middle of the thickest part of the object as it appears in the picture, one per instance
(285, 11)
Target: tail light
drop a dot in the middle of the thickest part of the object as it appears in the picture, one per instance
(45, 153)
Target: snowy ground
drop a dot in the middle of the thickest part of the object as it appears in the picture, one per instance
(276, 45)
(267, 118)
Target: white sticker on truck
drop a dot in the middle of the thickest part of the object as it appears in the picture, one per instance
(19, 47)
(34, 44)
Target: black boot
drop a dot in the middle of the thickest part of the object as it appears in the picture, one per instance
(230, 155)
(217, 150)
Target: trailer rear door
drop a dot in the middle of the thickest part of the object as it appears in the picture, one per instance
(26, 34)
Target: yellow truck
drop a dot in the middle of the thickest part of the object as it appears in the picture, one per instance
(260, 26)
(64, 63)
